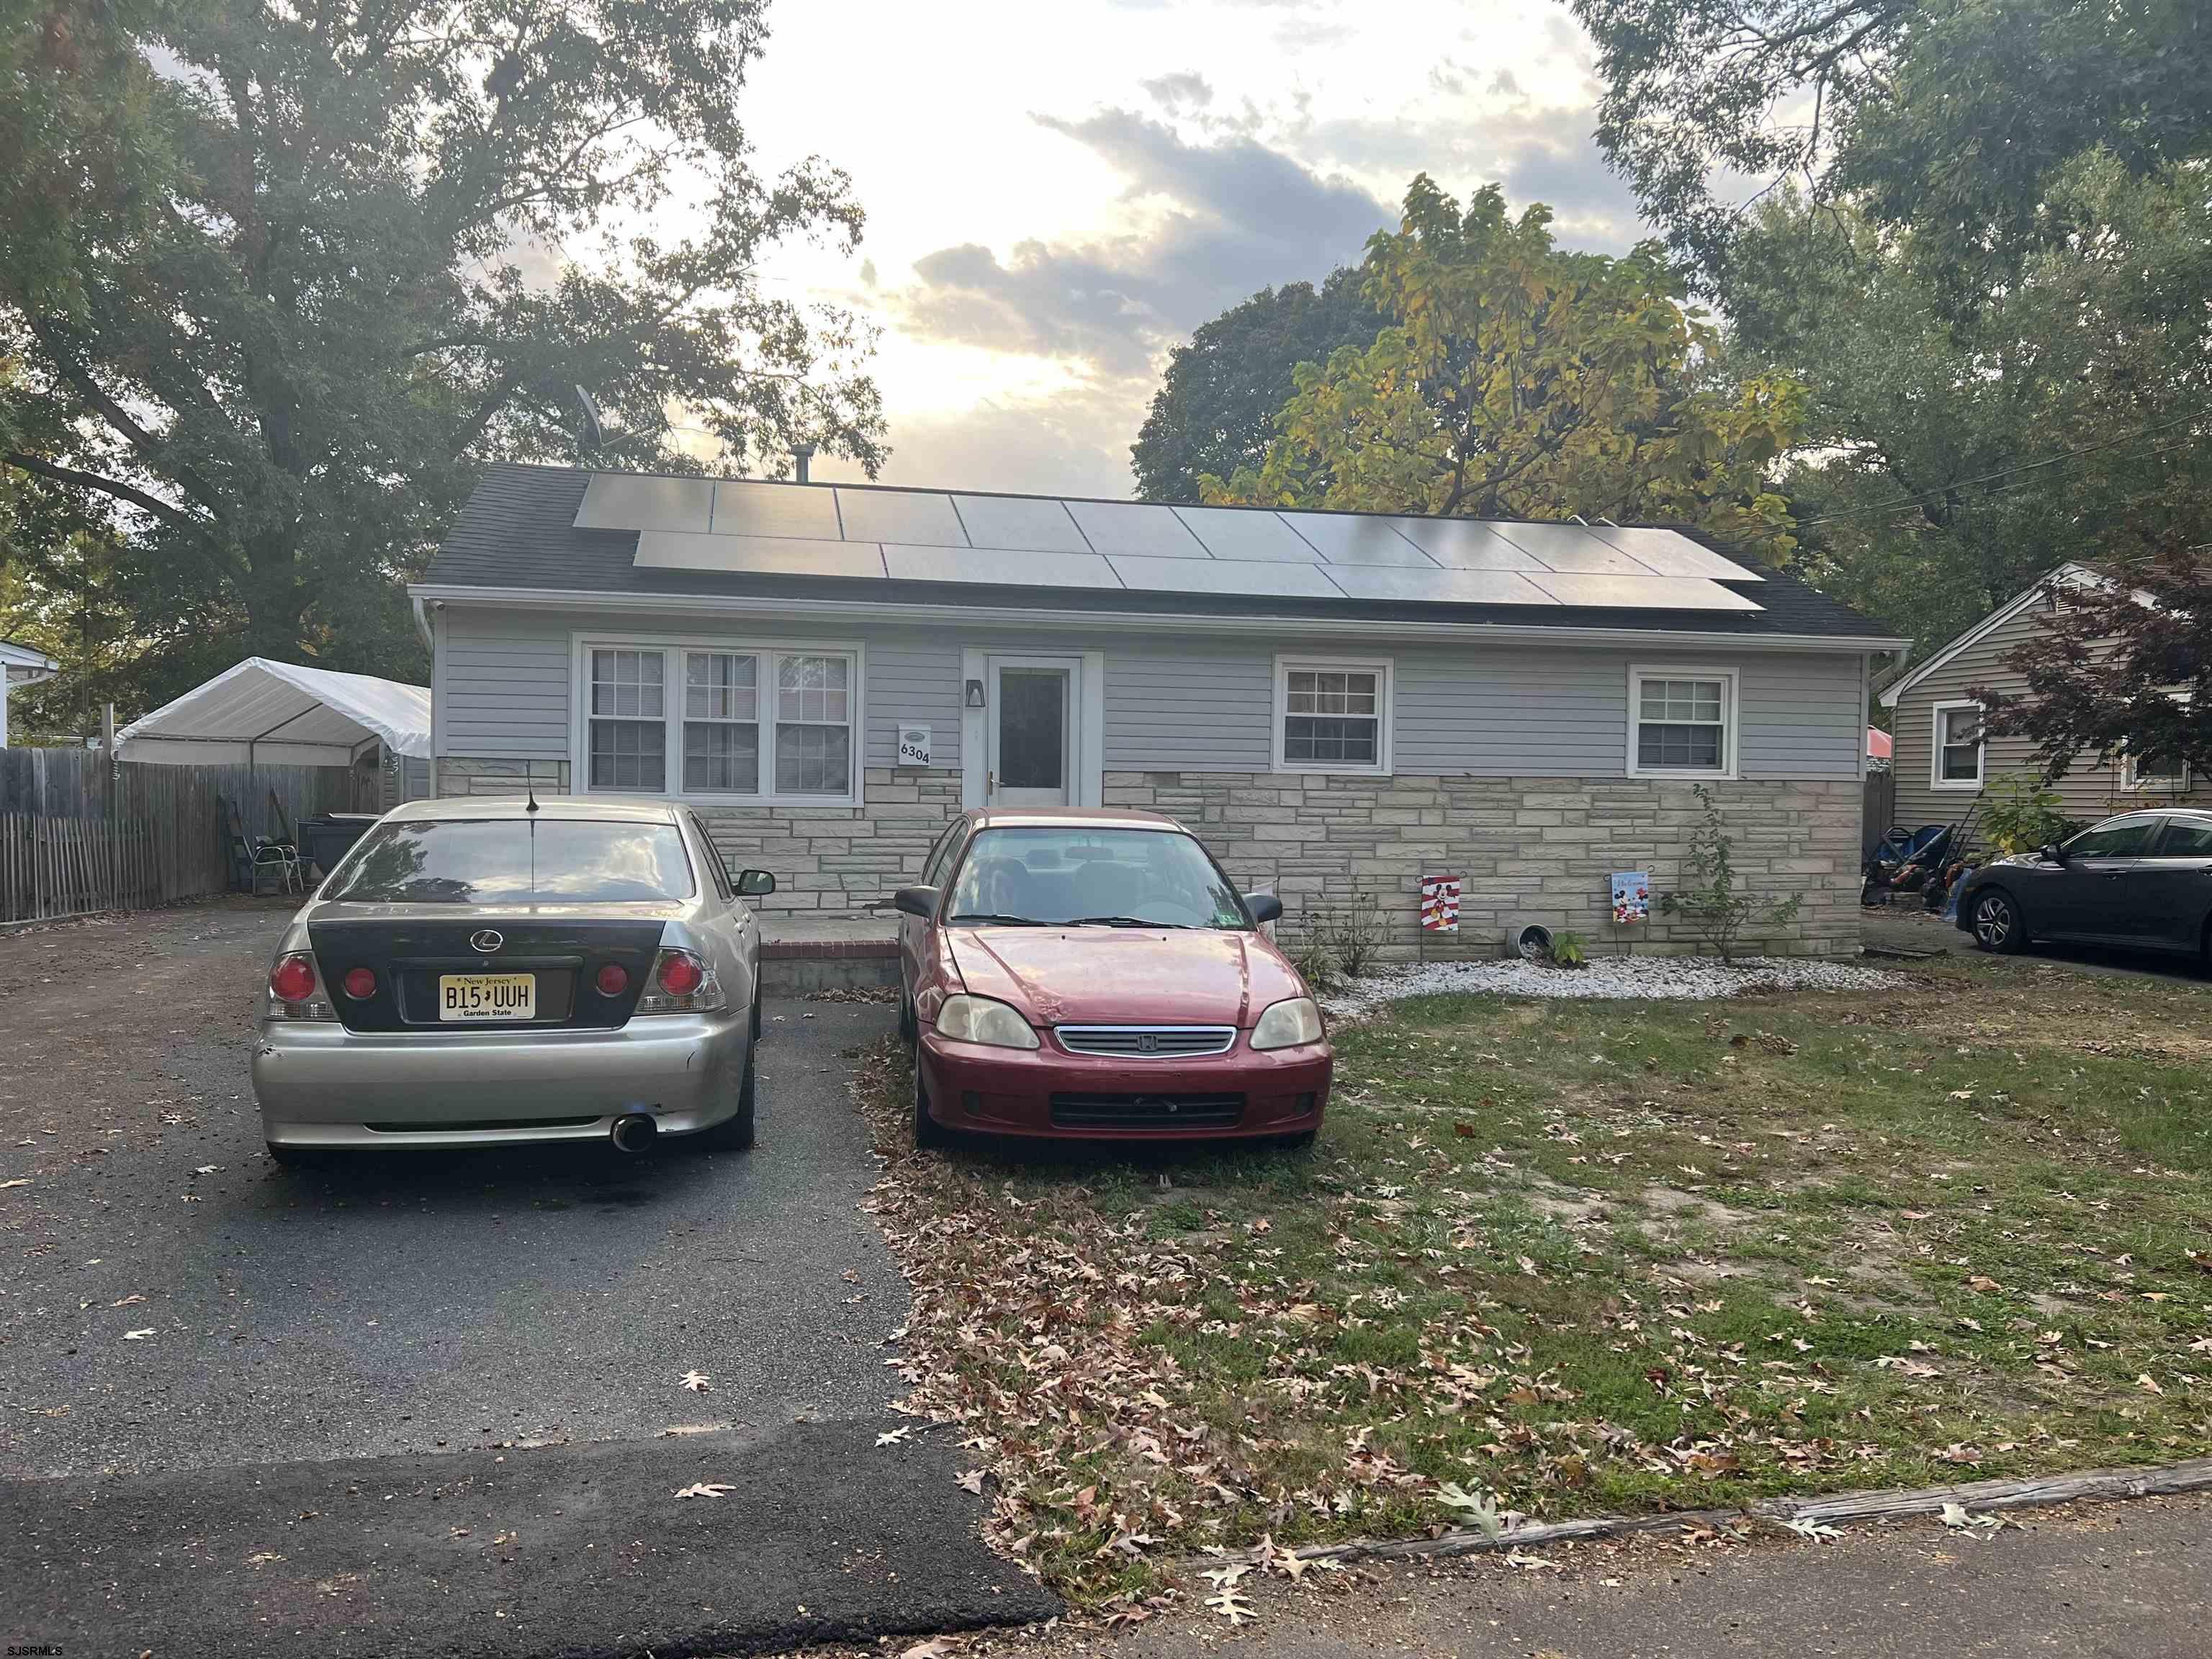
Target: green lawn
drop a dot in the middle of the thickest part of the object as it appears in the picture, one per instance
(1570, 1257)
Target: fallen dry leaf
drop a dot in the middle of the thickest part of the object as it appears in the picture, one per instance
(705, 1489)
(695, 1381)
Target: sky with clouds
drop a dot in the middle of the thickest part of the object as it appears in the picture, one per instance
(1059, 190)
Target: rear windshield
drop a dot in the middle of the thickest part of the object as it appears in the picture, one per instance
(514, 861)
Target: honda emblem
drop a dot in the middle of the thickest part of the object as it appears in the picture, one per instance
(1148, 1043)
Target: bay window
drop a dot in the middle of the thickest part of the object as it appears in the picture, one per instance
(716, 721)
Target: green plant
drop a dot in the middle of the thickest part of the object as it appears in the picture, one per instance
(1310, 955)
(1569, 950)
(1711, 907)
(1354, 932)
(2022, 814)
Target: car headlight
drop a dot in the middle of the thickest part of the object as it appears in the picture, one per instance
(979, 1019)
(1290, 1024)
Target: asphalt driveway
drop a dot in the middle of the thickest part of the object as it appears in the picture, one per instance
(183, 1319)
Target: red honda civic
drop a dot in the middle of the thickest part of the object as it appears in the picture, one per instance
(1093, 975)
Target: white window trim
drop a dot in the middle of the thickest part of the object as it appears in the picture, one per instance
(1935, 778)
(1730, 724)
(1385, 671)
(672, 646)
(2172, 783)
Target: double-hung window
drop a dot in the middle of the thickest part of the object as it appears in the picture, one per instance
(1681, 722)
(714, 721)
(1956, 761)
(1331, 715)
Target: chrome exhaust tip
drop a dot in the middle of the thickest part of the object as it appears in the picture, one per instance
(633, 1132)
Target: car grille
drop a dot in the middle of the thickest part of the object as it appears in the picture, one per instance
(1147, 1111)
(1146, 1042)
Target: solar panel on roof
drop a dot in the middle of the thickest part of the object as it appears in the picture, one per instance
(1244, 532)
(1224, 576)
(1578, 551)
(767, 555)
(1136, 528)
(624, 500)
(1465, 545)
(1641, 592)
(918, 517)
(745, 507)
(996, 566)
(1016, 521)
(1355, 539)
(1671, 553)
(1438, 586)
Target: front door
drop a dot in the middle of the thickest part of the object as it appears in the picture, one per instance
(1032, 728)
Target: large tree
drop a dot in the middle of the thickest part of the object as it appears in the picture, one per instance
(1516, 380)
(1215, 410)
(281, 278)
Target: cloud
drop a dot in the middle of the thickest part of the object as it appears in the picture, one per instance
(1074, 441)
(1186, 90)
(1221, 220)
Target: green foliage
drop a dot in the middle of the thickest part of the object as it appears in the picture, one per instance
(1309, 953)
(1715, 910)
(1215, 411)
(1516, 380)
(276, 302)
(1569, 950)
(2019, 814)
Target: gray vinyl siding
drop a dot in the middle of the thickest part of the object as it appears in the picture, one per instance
(1199, 704)
(2089, 791)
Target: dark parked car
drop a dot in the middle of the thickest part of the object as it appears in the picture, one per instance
(2142, 879)
(1092, 974)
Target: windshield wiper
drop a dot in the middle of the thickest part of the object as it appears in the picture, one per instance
(989, 919)
(1122, 921)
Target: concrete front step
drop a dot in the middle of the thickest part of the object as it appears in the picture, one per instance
(806, 952)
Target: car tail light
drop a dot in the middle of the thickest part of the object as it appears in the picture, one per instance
(360, 983)
(683, 982)
(612, 978)
(295, 989)
(679, 972)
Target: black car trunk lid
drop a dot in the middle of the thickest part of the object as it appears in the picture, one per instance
(409, 956)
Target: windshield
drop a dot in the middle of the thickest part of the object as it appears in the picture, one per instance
(1106, 877)
(514, 861)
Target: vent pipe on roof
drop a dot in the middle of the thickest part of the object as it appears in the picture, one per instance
(802, 454)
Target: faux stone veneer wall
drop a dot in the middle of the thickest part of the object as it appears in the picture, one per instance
(1526, 849)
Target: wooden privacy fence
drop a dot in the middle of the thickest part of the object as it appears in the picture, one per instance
(77, 836)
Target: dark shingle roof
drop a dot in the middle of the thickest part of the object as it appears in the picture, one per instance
(518, 531)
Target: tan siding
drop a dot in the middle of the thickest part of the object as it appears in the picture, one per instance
(2089, 791)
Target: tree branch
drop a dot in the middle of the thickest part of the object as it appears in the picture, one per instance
(115, 487)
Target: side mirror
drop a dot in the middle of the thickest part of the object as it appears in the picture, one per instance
(915, 902)
(1264, 907)
(753, 884)
(2053, 854)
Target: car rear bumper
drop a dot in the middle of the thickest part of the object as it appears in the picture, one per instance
(320, 1085)
(1048, 1092)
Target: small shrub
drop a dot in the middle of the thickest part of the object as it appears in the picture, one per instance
(1354, 932)
(1569, 950)
(1310, 955)
(2022, 814)
(1715, 912)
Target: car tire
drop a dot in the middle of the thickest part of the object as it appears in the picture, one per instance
(909, 1028)
(927, 1131)
(1998, 926)
(734, 1133)
(1301, 1142)
(292, 1157)
(756, 1016)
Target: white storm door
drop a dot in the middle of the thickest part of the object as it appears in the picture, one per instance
(1033, 702)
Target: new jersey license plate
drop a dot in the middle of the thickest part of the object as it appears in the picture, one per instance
(486, 996)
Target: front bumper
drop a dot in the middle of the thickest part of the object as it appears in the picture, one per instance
(1010, 1091)
(320, 1085)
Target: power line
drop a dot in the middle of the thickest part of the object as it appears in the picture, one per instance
(1920, 496)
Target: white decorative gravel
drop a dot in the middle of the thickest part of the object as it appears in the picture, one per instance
(1694, 979)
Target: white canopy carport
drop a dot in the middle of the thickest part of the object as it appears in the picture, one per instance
(282, 715)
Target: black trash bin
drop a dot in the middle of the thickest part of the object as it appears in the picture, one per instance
(324, 840)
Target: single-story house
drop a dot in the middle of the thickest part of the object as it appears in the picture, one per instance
(1943, 758)
(1340, 703)
(19, 665)
(262, 712)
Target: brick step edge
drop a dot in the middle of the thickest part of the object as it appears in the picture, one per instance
(2099, 1485)
(787, 950)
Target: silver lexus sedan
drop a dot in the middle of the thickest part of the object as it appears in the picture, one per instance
(482, 972)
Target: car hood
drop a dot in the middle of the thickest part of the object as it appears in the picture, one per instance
(1125, 976)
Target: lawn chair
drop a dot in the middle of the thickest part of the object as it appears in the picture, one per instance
(259, 859)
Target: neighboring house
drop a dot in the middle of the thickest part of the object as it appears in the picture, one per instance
(1943, 759)
(1339, 703)
(19, 665)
